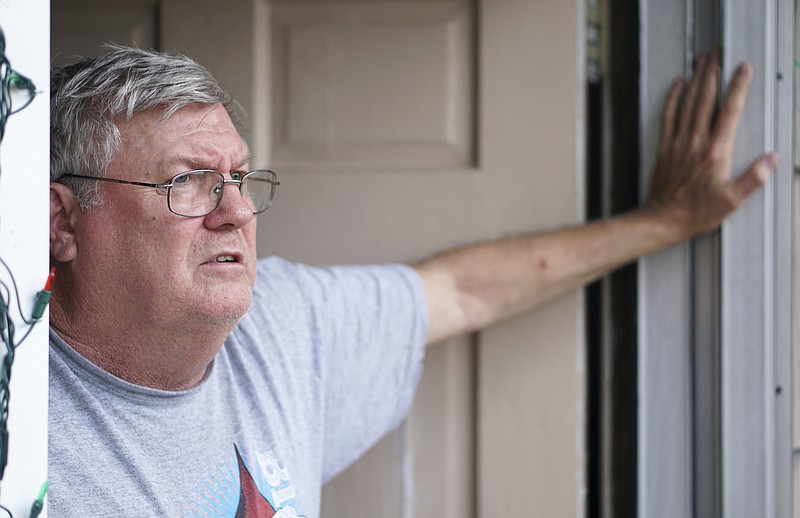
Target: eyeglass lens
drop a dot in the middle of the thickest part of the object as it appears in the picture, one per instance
(197, 193)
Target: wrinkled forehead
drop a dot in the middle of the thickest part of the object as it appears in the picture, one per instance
(197, 136)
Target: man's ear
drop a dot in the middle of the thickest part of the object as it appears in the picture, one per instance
(63, 212)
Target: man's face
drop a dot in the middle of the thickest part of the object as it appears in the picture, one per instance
(171, 268)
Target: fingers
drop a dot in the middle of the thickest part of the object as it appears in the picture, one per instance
(756, 175)
(696, 109)
(706, 96)
(731, 110)
(668, 115)
(688, 106)
(687, 122)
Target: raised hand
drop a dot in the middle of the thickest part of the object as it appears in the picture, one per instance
(692, 185)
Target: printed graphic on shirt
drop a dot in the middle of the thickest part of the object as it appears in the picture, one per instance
(261, 489)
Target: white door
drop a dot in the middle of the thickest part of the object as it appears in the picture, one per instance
(398, 129)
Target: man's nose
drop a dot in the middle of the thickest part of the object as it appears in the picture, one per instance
(233, 209)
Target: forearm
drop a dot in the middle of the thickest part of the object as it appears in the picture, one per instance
(474, 286)
(692, 191)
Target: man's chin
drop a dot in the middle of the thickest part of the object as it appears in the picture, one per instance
(225, 306)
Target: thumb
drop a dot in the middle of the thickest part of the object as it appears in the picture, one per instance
(755, 176)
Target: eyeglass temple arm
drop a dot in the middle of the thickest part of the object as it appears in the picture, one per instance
(266, 180)
(115, 180)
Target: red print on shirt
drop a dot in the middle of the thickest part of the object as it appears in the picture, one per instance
(252, 503)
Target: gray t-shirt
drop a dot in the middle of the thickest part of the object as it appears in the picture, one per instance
(323, 364)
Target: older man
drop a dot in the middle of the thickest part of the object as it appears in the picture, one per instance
(190, 378)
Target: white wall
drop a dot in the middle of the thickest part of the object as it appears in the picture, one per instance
(24, 169)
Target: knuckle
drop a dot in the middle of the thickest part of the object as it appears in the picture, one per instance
(695, 143)
(676, 150)
(715, 153)
(667, 115)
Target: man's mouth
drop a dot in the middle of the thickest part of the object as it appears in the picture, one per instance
(226, 259)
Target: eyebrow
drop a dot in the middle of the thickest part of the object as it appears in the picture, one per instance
(246, 160)
(195, 163)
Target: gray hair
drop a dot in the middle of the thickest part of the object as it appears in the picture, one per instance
(89, 95)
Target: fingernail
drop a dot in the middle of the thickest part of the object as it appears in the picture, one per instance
(773, 160)
(745, 69)
(700, 61)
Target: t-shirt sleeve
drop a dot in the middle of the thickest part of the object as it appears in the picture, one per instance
(366, 327)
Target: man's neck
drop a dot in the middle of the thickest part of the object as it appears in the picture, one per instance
(168, 358)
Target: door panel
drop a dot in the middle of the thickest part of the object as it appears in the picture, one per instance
(373, 86)
(401, 128)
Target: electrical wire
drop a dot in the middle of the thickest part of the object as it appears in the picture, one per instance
(36, 507)
(16, 92)
(16, 291)
(13, 87)
(7, 336)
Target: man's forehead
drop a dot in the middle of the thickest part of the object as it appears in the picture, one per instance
(196, 136)
(192, 117)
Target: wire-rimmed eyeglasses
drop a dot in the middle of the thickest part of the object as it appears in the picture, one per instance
(197, 193)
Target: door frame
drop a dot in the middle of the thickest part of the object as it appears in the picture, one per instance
(715, 314)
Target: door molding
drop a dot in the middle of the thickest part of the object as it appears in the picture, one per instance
(715, 314)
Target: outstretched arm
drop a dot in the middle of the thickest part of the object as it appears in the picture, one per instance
(692, 192)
